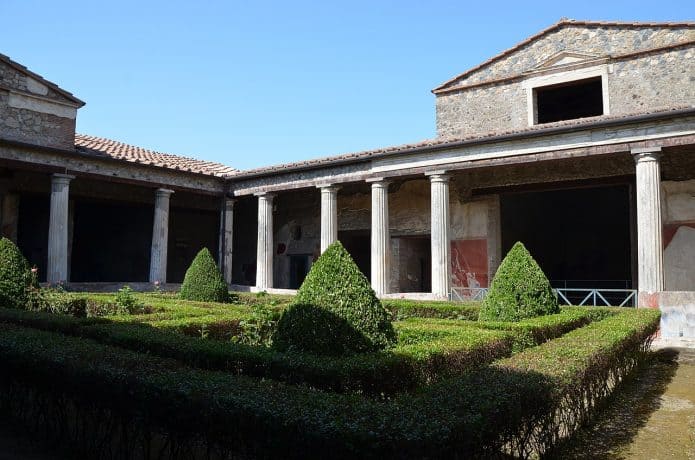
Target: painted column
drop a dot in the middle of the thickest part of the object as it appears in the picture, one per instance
(265, 248)
(381, 240)
(57, 271)
(329, 215)
(650, 253)
(440, 237)
(160, 236)
(226, 243)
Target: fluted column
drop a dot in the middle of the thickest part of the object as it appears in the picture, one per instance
(57, 271)
(381, 240)
(264, 251)
(226, 243)
(650, 253)
(160, 236)
(329, 215)
(441, 246)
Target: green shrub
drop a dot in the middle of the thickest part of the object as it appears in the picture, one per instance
(357, 321)
(519, 290)
(15, 275)
(258, 329)
(127, 302)
(401, 309)
(203, 280)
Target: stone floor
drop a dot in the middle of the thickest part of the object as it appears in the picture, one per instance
(653, 417)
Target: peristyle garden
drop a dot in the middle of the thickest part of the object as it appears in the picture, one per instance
(332, 372)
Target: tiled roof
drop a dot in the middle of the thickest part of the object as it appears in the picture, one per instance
(98, 146)
(19, 67)
(562, 22)
(453, 141)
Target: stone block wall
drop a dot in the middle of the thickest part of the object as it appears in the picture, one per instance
(636, 84)
(32, 112)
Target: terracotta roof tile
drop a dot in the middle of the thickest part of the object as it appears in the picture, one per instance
(451, 141)
(101, 147)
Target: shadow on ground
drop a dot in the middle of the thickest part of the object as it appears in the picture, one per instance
(651, 416)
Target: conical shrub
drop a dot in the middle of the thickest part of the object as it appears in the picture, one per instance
(203, 280)
(335, 311)
(519, 290)
(15, 275)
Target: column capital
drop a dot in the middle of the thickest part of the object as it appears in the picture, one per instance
(266, 195)
(378, 182)
(58, 178)
(438, 176)
(328, 188)
(163, 192)
(641, 154)
(229, 203)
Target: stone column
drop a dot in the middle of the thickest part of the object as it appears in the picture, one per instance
(160, 236)
(441, 246)
(329, 215)
(226, 242)
(57, 271)
(650, 253)
(381, 243)
(265, 249)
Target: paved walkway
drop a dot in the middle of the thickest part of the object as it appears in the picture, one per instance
(652, 417)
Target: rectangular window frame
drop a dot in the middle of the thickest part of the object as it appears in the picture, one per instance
(531, 84)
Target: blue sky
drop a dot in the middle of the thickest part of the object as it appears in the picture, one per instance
(257, 83)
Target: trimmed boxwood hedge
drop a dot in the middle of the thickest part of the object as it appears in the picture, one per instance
(15, 275)
(203, 280)
(335, 311)
(519, 289)
(518, 406)
(428, 354)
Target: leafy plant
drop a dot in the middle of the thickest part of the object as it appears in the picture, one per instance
(519, 290)
(259, 328)
(127, 302)
(355, 320)
(203, 280)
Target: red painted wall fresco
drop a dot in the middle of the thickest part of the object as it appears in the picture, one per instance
(469, 265)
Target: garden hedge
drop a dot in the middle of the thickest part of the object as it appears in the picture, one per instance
(335, 311)
(519, 289)
(518, 406)
(203, 280)
(15, 275)
(427, 354)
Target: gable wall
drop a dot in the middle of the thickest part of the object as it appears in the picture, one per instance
(34, 113)
(655, 80)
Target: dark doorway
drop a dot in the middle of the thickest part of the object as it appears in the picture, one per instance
(190, 230)
(111, 242)
(32, 230)
(579, 237)
(413, 257)
(299, 268)
(358, 243)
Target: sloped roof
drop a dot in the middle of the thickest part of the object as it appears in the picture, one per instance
(101, 147)
(558, 25)
(22, 69)
(450, 142)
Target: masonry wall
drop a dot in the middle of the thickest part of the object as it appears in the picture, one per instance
(678, 216)
(34, 113)
(655, 80)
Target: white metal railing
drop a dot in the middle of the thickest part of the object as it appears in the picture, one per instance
(566, 296)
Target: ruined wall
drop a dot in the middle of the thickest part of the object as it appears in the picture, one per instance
(635, 84)
(678, 216)
(32, 112)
